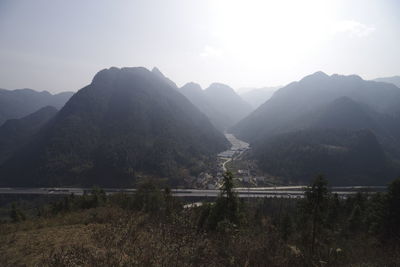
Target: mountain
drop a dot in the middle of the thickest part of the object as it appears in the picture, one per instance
(290, 104)
(18, 103)
(128, 123)
(157, 72)
(257, 96)
(331, 121)
(225, 100)
(344, 157)
(197, 96)
(218, 102)
(345, 113)
(393, 80)
(15, 133)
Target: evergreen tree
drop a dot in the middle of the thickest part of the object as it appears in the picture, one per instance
(355, 219)
(16, 214)
(231, 200)
(392, 216)
(98, 196)
(226, 209)
(286, 227)
(333, 212)
(375, 213)
(148, 197)
(316, 197)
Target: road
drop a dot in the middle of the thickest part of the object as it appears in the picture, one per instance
(224, 163)
(237, 148)
(282, 191)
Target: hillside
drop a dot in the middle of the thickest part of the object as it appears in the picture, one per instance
(295, 101)
(15, 104)
(344, 157)
(218, 102)
(157, 72)
(225, 100)
(308, 127)
(15, 133)
(393, 80)
(196, 95)
(126, 124)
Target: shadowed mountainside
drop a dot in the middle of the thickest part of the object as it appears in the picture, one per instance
(196, 95)
(329, 111)
(127, 123)
(15, 133)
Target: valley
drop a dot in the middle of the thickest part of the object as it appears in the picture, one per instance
(199, 133)
(212, 179)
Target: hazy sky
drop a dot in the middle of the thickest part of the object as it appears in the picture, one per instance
(59, 45)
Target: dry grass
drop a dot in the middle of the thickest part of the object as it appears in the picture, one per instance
(110, 236)
(28, 247)
(29, 242)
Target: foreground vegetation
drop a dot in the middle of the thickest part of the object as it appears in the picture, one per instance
(152, 228)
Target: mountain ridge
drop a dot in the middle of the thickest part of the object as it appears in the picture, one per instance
(18, 103)
(127, 123)
(392, 79)
(344, 110)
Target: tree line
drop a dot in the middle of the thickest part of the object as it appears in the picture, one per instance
(321, 229)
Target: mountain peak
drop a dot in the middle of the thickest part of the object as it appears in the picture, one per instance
(320, 73)
(192, 86)
(131, 113)
(159, 74)
(220, 87)
(353, 77)
(105, 75)
(317, 76)
(157, 71)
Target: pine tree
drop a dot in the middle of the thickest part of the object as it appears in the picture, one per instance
(225, 212)
(355, 219)
(231, 200)
(316, 204)
(16, 214)
(392, 217)
(286, 227)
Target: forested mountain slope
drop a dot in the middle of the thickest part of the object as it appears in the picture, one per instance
(126, 124)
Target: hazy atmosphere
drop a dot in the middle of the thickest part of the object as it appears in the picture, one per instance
(200, 133)
(59, 45)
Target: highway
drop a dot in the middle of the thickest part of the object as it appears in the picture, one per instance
(281, 191)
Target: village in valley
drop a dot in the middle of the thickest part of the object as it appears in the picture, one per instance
(235, 159)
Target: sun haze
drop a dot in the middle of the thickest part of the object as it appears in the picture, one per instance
(59, 45)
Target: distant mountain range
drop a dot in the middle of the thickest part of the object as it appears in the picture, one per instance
(219, 102)
(321, 115)
(132, 123)
(394, 80)
(18, 103)
(257, 96)
(196, 95)
(128, 123)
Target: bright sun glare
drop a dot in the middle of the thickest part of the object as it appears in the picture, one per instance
(279, 32)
